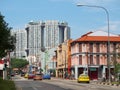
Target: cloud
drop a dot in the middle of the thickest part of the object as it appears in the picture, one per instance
(96, 2)
(88, 2)
(114, 26)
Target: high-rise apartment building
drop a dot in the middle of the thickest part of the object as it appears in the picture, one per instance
(55, 33)
(21, 43)
(47, 34)
(34, 37)
(43, 36)
(38, 36)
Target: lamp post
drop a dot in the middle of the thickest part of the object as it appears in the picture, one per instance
(108, 48)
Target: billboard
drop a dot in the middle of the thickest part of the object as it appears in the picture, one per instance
(1, 64)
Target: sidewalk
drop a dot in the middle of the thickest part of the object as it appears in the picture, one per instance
(106, 83)
(92, 81)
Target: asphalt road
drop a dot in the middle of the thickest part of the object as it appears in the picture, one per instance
(58, 84)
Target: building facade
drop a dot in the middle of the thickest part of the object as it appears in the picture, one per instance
(48, 34)
(35, 37)
(89, 54)
(21, 43)
(63, 54)
(55, 33)
(43, 36)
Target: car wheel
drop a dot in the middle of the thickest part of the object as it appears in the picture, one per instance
(88, 82)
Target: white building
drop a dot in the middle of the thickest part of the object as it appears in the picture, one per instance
(21, 43)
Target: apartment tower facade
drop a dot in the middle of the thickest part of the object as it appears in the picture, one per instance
(21, 43)
(47, 34)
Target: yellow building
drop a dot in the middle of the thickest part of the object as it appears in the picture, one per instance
(63, 59)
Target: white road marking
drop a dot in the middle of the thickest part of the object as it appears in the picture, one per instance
(34, 88)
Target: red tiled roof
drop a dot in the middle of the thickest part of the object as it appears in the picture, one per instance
(98, 38)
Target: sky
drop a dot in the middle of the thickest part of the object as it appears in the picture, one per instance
(80, 19)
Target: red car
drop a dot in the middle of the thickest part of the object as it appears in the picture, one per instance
(38, 77)
(31, 76)
(12, 74)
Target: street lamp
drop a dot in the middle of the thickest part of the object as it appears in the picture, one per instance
(108, 48)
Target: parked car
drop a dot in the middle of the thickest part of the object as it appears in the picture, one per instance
(83, 78)
(31, 76)
(46, 76)
(38, 77)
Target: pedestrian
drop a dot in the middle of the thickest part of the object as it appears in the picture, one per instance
(104, 77)
(112, 78)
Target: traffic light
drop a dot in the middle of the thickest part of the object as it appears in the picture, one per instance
(5, 67)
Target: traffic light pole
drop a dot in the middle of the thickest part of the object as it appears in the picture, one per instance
(5, 70)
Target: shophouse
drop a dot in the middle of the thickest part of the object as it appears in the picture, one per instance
(89, 54)
(63, 54)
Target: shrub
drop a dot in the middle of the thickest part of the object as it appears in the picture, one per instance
(7, 84)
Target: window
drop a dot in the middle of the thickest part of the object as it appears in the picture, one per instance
(97, 60)
(91, 59)
(91, 47)
(97, 47)
(80, 59)
(80, 47)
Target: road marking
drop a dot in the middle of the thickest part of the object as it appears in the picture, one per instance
(34, 88)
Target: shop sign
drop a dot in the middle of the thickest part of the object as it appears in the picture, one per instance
(92, 69)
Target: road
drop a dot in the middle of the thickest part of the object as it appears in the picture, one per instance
(58, 84)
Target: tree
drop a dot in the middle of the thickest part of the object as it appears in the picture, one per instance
(115, 63)
(117, 70)
(18, 63)
(7, 41)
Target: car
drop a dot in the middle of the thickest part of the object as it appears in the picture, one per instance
(12, 74)
(26, 75)
(46, 76)
(31, 76)
(83, 78)
(38, 77)
(22, 74)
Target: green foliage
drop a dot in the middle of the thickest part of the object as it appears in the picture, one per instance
(6, 39)
(117, 68)
(18, 63)
(7, 85)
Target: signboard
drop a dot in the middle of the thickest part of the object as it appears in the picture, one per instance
(1, 61)
(1, 66)
(92, 69)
